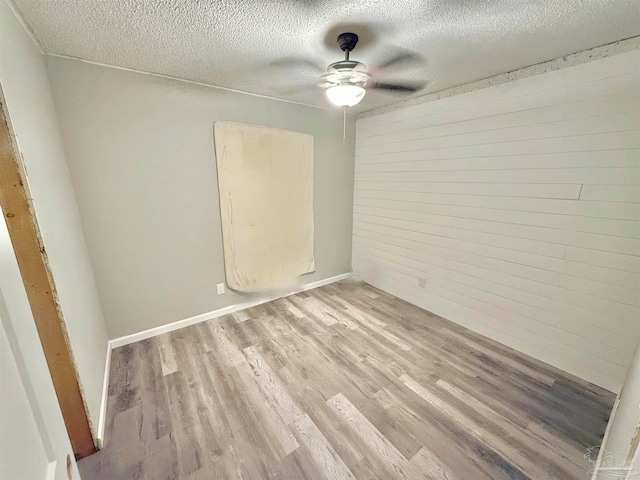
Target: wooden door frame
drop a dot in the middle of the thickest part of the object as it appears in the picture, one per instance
(22, 224)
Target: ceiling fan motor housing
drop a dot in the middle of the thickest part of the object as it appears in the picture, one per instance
(345, 73)
(346, 65)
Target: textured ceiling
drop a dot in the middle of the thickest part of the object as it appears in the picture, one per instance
(234, 43)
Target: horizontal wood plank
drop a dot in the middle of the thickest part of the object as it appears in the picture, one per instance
(515, 211)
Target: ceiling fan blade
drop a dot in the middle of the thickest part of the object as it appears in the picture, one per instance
(294, 89)
(398, 88)
(401, 58)
(294, 62)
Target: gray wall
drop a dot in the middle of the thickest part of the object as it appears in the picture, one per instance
(141, 154)
(31, 109)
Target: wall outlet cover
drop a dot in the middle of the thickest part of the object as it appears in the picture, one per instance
(220, 287)
(422, 281)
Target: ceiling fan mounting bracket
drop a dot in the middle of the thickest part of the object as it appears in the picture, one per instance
(347, 41)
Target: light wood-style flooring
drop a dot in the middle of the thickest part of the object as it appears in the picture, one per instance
(341, 382)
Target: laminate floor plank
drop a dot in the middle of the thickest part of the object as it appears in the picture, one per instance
(341, 382)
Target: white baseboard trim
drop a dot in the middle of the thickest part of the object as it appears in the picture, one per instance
(169, 327)
(325, 281)
(152, 332)
(105, 396)
(51, 470)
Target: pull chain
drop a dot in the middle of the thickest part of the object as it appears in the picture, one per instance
(344, 125)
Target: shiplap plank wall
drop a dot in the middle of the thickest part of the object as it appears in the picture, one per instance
(518, 205)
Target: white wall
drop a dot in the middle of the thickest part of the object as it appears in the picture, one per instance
(142, 160)
(30, 106)
(518, 204)
(623, 427)
(22, 451)
(33, 437)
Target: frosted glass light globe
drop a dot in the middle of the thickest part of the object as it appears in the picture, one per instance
(345, 96)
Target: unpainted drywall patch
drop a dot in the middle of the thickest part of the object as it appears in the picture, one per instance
(265, 178)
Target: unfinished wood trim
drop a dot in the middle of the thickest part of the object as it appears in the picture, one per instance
(22, 225)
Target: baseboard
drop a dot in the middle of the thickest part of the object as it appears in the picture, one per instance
(105, 396)
(51, 470)
(152, 332)
(325, 281)
(169, 327)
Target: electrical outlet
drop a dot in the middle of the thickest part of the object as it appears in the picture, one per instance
(422, 281)
(220, 288)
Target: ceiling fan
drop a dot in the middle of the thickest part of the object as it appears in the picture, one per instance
(346, 81)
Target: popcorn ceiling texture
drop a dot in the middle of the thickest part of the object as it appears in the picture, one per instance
(231, 43)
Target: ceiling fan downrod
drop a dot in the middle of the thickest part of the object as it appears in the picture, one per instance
(347, 41)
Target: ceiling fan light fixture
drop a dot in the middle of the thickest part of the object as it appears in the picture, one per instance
(345, 96)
